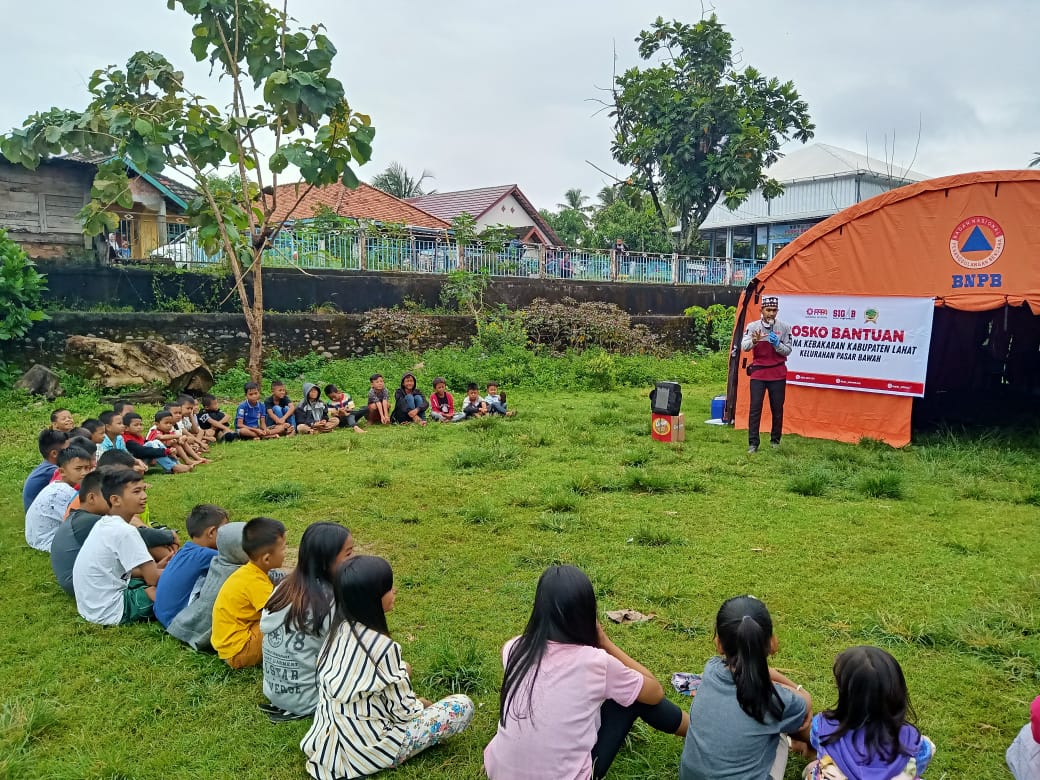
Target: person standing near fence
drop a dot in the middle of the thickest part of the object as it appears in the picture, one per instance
(769, 341)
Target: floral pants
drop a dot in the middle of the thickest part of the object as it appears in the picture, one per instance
(435, 724)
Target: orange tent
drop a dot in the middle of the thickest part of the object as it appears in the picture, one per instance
(913, 242)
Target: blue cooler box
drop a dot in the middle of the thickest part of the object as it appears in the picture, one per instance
(718, 406)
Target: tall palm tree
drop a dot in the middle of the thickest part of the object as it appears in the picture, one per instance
(607, 196)
(396, 181)
(574, 199)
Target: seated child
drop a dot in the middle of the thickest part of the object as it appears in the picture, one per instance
(114, 575)
(297, 619)
(866, 736)
(48, 508)
(188, 425)
(1023, 757)
(378, 400)
(442, 405)
(95, 431)
(474, 405)
(312, 415)
(409, 404)
(150, 452)
(122, 407)
(71, 534)
(188, 568)
(112, 438)
(213, 420)
(187, 433)
(61, 420)
(341, 407)
(194, 623)
(50, 443)
(163, 433)
(251, 415)
(236, 612)
(496, 400)
(744, 710)
(280, 410)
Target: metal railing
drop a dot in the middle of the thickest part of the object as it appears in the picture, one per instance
(438, 253)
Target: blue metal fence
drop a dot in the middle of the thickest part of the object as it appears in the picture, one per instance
(305, 247)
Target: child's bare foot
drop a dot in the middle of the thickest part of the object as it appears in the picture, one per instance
(180, 468)
(358, 429)
(510, 413)
(422, 422)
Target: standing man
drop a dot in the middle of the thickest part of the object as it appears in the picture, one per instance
(769, 342)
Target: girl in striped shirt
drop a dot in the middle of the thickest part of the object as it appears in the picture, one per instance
(368, 718)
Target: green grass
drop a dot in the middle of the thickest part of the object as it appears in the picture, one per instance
(929, 552)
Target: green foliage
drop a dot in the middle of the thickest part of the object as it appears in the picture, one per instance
(887, 484)
(144, 113)
(500, 329)
(21, 290)
(396, 181)
(638, 224)
(570, 225)
(694, 128)
(712, 327)
(457, 665)
(464, 290)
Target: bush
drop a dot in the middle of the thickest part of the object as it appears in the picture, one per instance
(712, 327)
(403, 330)
(500, 329)
(21, 288)
(558, 327)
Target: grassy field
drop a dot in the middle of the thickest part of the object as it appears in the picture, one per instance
(930, 552)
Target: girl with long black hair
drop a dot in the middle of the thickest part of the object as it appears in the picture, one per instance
(869, 735)
(743, 710)
(368, 718)
(296, 621)
(570, 695)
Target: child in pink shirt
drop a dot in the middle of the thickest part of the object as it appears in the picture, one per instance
(570, 695)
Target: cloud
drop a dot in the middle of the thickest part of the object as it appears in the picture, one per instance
(485, 94)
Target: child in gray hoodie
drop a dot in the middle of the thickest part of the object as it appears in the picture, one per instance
(312, 415)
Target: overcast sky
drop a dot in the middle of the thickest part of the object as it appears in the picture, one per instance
(484, 93)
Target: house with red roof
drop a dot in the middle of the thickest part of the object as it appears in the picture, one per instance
(504, 205)
(300, 201)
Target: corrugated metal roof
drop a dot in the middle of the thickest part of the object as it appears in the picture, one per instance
(825, 161)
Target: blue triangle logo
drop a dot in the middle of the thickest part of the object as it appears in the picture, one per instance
(977, 242)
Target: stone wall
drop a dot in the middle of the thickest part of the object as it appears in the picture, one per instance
(222, 338)
(150, 289)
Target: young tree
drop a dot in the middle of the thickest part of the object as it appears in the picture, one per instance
(282, 98)
(695, 129)
(396, 181)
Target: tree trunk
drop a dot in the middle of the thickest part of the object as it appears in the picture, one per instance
(255, 322)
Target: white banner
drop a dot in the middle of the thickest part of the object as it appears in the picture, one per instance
(849, 342)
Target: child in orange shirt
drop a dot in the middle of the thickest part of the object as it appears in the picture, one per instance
(236, 613)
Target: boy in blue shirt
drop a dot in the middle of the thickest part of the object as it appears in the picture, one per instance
(186, 571)
(250, 418)
(51, 442)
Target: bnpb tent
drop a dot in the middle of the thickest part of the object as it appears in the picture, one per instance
(922, 302)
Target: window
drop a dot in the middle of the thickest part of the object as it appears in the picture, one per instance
(743, 243)
(719, 244)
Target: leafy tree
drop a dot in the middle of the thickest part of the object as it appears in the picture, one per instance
(607, 196)
(283, 98)
(695, 129)
(21, 288)
(396, 181)
(569, 225)
(638, 226)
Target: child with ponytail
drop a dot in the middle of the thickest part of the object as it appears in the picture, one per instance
(743, 710)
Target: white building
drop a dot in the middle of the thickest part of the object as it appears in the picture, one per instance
(819, 181)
